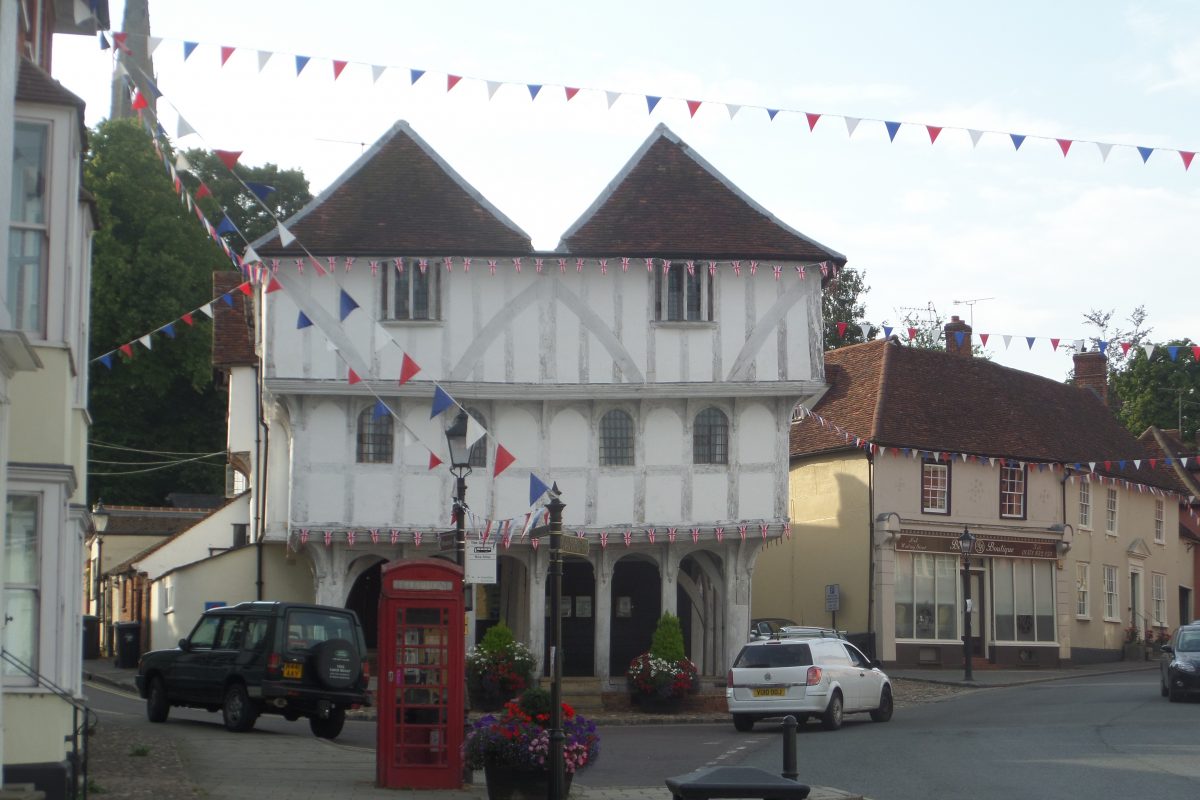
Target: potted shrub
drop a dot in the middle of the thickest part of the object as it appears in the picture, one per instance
(498, 669)
(663, 676)
(512, 747)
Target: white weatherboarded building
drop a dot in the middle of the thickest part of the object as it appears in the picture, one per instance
(649, 366)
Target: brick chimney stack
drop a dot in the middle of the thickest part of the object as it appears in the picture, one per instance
(1091, 372)
(954, 327)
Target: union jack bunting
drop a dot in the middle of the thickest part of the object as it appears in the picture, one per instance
(304, 536)
(349, 263)
(332, 261)
(579, 265)
(742, 531)
(399, 262)
(448, 262)
(737, 268)
(423, 265)
(695, 535)
(466, 265)
(763, 528)
(720, 533)
(374, 535)
(537, 265)
(492, 265)
(628, 538)
(300, 266)
(800, 271)
(650, 535)
(604, 266)
(374, 265)
(753, 267)
(328, 538)
(625, 264)
(274, 266)
(350, 538)
(417, 538)
(394, 536)
(691, 268)
(712, 268)
(649, 265)
(534, 544)
(603, 540)
(671, 535)
(562, 265)
(517, 264)
(778, 271)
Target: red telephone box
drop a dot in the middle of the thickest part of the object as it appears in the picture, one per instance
(421, 679)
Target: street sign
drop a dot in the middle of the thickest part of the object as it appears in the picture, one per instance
(574, 545)
(447, 540)
(481, 563)
(833, 597)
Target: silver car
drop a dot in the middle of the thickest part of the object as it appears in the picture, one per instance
(811, 676)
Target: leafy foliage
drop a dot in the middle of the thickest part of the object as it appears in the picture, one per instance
(667, 643)
(843, 301)
(1158, 391)
(230, 197)
(498, 667)
(1111, 334)
(151, 262)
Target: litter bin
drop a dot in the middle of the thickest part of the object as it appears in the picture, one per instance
(129, 644)
(91, 636)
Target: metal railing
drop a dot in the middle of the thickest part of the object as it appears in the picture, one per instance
(83, 719)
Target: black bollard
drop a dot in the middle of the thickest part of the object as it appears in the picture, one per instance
(789, 748)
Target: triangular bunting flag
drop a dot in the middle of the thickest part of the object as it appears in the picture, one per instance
(1174, 351)
(188, 49)
(812, 120)
(934, 132)
(1104, 149)
(206, 309)
(771, 112)
(536, 488)
(352, 378)
(183, 128)
(106, 360)
(570, 92)
(228, 157)
(1018, 139)
(1064, 145)
(1187, 159)
(452, 81)
(612, 97)
(983, 337)
(338, 66)
(475, 431)
(441, 401)
(651, 102)
(303, 321)
(127, 349)
(492, 86)
(301, 63)
(892, 127)
(732, 109)
(263, 57)
(285, 236)
(534, 88)
(261, 190)
(145, 340)
(851, 124)
(975, 137)
(377, 73)
(1007, 341)
(381, 410)
(1054, 344)
(274, 286)
(348, 304)
(226, 52)
(1145, 153)
(415, 75)
(434, 461)
(1148, 349)
(693, 107)
(504, 460)
(408, 368)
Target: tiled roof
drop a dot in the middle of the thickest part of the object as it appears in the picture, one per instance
(34, 85)
(668, 201)
(233, 332)
(900, 396)
(400, 198)
(149, 520)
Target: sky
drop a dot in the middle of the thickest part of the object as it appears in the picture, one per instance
(1019, 242)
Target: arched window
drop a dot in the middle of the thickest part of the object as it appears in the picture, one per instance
(710, 437)
(616, 439)
(375, 439)
(478, 456)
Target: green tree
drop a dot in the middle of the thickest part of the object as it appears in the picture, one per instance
(929, 328)
(667, 643)
(1158, 390)
(151, 263)
(843, 301)
(230, 197)
(1112, 335)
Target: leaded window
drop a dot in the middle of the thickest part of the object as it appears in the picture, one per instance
(616, 439)
(411, 290)
(710, 437)
(375, 437)
(683, 294)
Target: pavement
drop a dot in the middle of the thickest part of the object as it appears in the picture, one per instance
(105, 672)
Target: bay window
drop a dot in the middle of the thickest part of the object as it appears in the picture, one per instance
(28, 228)
(22, 570)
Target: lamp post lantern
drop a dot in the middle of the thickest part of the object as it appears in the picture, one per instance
(460, 467)
(966, 543)
(557, 737)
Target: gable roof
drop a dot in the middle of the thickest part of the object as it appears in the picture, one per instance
(35, 85)
(668, 201)
(399, 197)
(900, 396)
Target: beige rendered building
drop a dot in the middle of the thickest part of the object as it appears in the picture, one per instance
(1077, 531)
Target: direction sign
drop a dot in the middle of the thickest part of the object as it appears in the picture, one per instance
(574, 545)
(447, 540)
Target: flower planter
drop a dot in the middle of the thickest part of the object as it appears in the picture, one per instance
(486, 701)
(1133, 651)
(512, 783)
(653, 704)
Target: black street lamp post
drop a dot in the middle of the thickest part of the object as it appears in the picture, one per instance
(557, 737)
(460, 468)
(966, 543)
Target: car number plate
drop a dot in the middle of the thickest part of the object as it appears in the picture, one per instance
(293, 670)
(774, 692)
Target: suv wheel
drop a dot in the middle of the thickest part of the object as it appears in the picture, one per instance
(743, 722)
(329, 727)
(337, 663)
(157, 706)
(831, 720)
(240, 713)
(884, 712)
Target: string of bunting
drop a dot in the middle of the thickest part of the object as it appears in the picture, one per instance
(1084, 470)
(1076, 344)
(651, 101)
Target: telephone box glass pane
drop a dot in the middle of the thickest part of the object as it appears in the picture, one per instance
(422, 696)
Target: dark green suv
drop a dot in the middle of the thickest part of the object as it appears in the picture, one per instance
(256, 658)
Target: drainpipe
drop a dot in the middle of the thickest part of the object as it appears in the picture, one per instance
(871, 543)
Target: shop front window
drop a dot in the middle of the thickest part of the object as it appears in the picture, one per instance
(1023, 600)
(926, 596)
